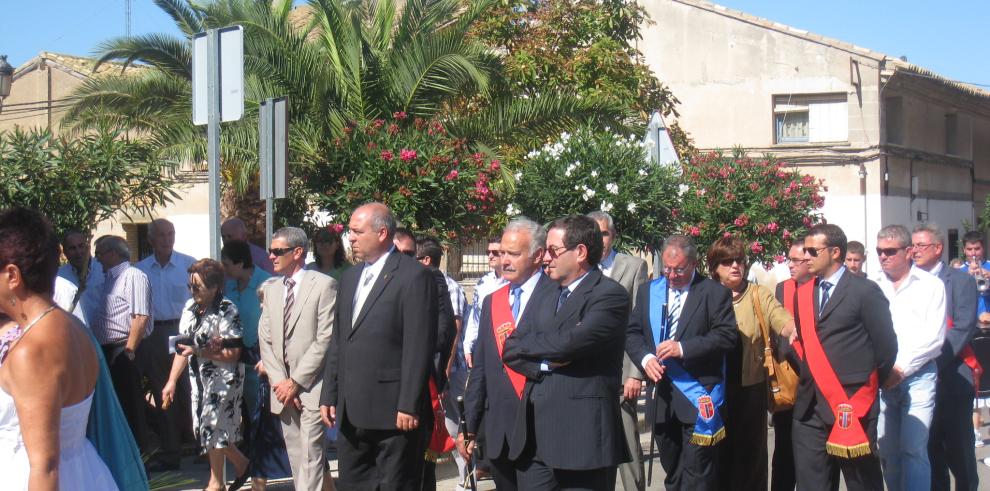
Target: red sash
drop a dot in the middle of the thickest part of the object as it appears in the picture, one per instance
(502, 327)
(440, 441)
(790, 290)
(969, 358)
(847, 439)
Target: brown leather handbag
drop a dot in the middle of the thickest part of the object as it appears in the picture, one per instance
(781, 377)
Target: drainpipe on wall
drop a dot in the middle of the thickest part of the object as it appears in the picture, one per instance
(49, 70)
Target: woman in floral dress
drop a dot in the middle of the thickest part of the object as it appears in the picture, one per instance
(213, 342)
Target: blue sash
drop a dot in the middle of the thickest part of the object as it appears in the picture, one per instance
(708, 429)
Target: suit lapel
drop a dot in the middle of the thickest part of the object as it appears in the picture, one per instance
(348, 289)
(695, 293)
(275, 299)
(533, 309)
(384, 278)
(305, 288)
(576, 299)
(838, 293)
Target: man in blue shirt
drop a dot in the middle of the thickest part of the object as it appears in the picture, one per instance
(974, 248)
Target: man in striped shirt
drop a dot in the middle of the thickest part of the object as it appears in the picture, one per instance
(123, 319)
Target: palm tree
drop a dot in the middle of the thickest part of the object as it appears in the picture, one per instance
(338, 61)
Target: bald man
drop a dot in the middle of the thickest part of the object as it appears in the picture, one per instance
(234, 229)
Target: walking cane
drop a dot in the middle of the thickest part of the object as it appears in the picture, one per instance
(462, 428)
(652, 419)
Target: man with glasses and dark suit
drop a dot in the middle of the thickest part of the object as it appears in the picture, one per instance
(847, 347)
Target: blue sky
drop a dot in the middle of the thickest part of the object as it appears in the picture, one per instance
(951, 38)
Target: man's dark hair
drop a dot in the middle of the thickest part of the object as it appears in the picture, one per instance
(579, 229)
(856, 247)
(431, 248)
(72, 232)
(238, 252)
(834, 237)
(974, 236)
(403, 232)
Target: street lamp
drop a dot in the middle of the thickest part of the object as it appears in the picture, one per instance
(6, 79)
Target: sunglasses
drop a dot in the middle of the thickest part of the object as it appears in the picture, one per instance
(794, 260)
(733, 260)
(495, 252)
(813, 251)
(280, 251)
(555, 252)
(195, 288)
(889, 251)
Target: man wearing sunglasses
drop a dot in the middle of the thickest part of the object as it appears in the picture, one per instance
(487, 284)
(297, 316)
(950, 444)
(907, 397)
(848, 346)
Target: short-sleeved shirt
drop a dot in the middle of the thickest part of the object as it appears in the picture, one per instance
(248, 305)
(126, 293)
(457, 299)
(751, 337)
(92, 294)
(169, 292)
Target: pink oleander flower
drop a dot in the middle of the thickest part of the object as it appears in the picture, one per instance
(756, 247)
(451, 175)
(336, 228)
(406, 155)
(387, 155)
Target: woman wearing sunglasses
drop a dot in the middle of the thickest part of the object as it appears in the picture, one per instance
(744, 457)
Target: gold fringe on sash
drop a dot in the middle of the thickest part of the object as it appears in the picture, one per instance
(708, 440)
(846, 452)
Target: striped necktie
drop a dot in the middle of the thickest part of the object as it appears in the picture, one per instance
(674, 312)
(290, 298)
(826, 286)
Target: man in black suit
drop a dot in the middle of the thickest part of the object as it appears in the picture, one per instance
(384, 336)
(950, 444)
(701, 329)
(493, 390)
(568, 432)
(850, 319)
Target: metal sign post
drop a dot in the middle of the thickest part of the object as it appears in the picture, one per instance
(273, 156)
(218, 95)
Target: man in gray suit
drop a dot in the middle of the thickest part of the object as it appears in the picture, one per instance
(293, 336)
(630, 272)
(950, 446)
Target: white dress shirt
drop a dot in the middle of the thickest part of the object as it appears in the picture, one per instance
(92, 296)
(169, 290)
(608, 262)
(833, 280)
(369, 275)
(527, 287)
(63, 295)
(457, 300)
(684, 295)
(485, 286)
(917, 308)
(297, 279)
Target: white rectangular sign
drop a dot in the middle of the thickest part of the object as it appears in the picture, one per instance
(230, 71)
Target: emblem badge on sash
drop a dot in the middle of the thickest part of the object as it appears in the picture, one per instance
(504, 331)
(844, 415)
(706, 408)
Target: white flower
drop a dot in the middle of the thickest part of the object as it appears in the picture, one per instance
(643, 172)
(518, 176)
(588, 194)
(565, 136)
(612, 188)
(570, 169)
(594, 173)
(631, 207)
(606, 206)
(511, 210)
(533, 154)
(577, 188)
(681, 189)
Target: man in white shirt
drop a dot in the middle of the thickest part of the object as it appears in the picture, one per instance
(907, 397)
(168, 273)
(80, 264)
(487, 284)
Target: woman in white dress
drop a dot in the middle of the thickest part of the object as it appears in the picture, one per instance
(43, 412)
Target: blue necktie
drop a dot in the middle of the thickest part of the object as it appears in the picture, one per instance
(516, 302)
(564, 292)
(826, 286)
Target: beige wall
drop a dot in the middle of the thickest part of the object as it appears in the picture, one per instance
(33, 87)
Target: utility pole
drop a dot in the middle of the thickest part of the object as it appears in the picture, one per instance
(127, 18)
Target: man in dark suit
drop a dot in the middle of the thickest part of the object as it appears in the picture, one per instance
(384, 336)
(850, 320)
(950, 444)
(630, 272)
(701, 330)
(493, 391)
(568, 433)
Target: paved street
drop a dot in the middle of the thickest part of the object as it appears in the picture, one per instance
(447, 473)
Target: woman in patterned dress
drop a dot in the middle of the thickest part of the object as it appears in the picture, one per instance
(213, 340)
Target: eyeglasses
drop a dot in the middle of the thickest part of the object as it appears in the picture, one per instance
(922, 246)
(676, 271)
(730, 261)
(494, 252)
(889, 251)
(280, 251)
(794, 260)
(555, 252)
(813, 251)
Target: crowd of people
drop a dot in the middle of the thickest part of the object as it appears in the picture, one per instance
(261, 360)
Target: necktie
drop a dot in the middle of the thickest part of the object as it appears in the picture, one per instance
(826, 286)
(674, 312)
(290, 298)
(516, 302)
(362, 292)
(564, 292)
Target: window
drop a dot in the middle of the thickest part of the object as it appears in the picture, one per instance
(953, 243)
(894, 108)
(136, 235)
(811, 118)
(952, 134)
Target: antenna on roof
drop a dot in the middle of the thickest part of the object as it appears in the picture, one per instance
(127, 18)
